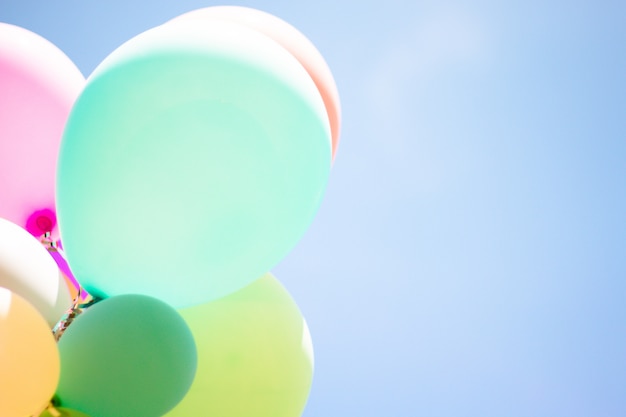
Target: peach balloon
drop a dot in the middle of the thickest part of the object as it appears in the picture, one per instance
(39, 84)
(292, 40)
(29, 358)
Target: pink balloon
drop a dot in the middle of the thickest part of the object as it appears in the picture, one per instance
(295, 42)
(38, 85)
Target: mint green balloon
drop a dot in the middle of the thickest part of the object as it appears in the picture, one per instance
(194, 160)
(255, 355)
(129, 355)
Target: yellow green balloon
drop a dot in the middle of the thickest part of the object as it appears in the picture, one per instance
(29, 358)
(255, 357)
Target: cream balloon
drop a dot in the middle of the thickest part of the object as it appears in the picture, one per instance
(29, 358)
(293, 41)
(27, 269)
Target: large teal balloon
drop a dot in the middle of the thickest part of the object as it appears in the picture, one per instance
(191, 164)
(129, 355)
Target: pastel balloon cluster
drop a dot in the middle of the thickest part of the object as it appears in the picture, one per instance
(165, 186)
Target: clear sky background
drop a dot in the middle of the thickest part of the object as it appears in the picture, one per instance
(469, 257)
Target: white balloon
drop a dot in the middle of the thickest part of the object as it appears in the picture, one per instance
(27, 269)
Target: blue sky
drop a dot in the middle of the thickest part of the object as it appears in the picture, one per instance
(469, 257)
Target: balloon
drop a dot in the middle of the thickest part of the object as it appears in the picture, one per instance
(130, 355)
(29, 358)
(27, 269)
(212, 143)
(63, 412)
(255, 357)
(39, 84)
(291, 39)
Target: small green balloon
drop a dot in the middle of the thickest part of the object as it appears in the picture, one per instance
(211, 141)
(129, 355)
(255, 356)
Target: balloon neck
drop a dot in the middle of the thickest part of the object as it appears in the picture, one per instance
(48, 242)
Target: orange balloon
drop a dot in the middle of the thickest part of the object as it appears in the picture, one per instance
(292, 40)
(29, 358)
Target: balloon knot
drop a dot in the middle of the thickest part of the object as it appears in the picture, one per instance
(41, 221)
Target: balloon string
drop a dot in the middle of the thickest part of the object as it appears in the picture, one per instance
(82, 300)
(70, 315)
(54, 247)
(77, 307)
(50, 408)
